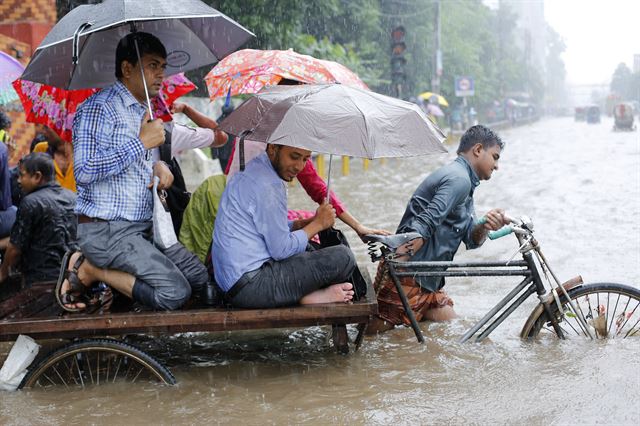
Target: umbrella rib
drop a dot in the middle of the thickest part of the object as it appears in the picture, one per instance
(364, 119)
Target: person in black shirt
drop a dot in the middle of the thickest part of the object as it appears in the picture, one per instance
(45, 226)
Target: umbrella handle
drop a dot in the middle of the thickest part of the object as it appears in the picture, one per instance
(75, 49)
(144, 80)
(241, 148)
(76, 40)
(329, 179)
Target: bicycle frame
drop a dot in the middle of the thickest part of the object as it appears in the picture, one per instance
(530, 284)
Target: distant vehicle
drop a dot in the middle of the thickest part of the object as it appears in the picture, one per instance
(580, 114)
(593, 114)
(623, 117)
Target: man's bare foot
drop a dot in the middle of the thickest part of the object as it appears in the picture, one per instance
(342, 292)
(82, 277)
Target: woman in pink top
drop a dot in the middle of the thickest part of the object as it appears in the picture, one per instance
(313, 184)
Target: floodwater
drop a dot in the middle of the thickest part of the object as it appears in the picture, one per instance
(581, 185)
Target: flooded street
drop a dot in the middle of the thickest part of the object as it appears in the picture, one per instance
(579, 183)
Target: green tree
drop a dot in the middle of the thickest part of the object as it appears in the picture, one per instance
(622, 82)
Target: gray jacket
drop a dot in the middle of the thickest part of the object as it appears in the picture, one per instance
(441, 210)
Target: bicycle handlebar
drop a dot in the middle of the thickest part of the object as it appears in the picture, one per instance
(505, 230)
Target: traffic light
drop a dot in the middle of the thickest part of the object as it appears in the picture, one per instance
(398, 61)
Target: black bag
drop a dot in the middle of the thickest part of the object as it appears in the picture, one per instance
(333, 237)
(177, 195)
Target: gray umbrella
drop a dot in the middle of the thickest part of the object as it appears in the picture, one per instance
(193, 33)
(336, 119)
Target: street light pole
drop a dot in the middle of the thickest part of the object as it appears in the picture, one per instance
(437, 69)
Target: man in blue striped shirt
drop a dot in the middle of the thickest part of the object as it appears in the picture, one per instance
(113, 139)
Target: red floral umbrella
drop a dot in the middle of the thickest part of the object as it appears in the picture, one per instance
(57, 107)
(248, 71)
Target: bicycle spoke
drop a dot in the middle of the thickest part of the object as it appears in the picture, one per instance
(632, 328)
(583, 316)
(49, 379)
(129, 368)
(136, 377)
(89, 369)
(59, 375)
(79, 371)
(613, 316)
(629, 317)
(115, 375)
(573, 328)
(106, 379)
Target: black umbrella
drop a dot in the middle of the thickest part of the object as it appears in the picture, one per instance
(79, 51)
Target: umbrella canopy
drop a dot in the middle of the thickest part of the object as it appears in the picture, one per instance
(248, 71)
(336, 119)
(194, 35)
(56, 108)
(429, 96)
(10, 69)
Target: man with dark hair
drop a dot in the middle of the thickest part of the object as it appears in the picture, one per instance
(7, 209)
(260, 259)
(45, 226)
(442, 211)
(113, 143)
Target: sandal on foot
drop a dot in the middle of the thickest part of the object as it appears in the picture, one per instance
(77, 292)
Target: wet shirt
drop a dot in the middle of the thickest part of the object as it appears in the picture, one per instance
(252, 227)
(111, 166)
(442, 211)
(5, 178)
(44, 230)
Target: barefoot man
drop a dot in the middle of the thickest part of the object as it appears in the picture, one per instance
(442, 211)
(260, 259)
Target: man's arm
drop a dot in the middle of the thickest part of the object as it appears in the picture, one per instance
(21, 235)
(203, 121)
(11, 258)
(102, 148)
(494, 220)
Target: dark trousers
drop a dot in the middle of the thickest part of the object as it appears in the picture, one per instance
(164, 278)
(285, 282)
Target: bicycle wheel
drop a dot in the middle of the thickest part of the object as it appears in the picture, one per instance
(96, 362)
(610, 310)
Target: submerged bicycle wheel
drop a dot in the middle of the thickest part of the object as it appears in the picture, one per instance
(94, 362)
(611, 311)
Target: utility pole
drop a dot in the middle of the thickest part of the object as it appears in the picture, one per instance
(437, 68)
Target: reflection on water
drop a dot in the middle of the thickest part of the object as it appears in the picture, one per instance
(581, 186)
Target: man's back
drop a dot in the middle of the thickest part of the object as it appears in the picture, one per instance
(442, 211)
(45, 229)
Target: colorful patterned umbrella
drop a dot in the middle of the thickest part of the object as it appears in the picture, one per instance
(248, 71)
(57, 107)
(10, 69)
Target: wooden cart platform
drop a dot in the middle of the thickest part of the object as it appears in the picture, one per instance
(33, 312)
